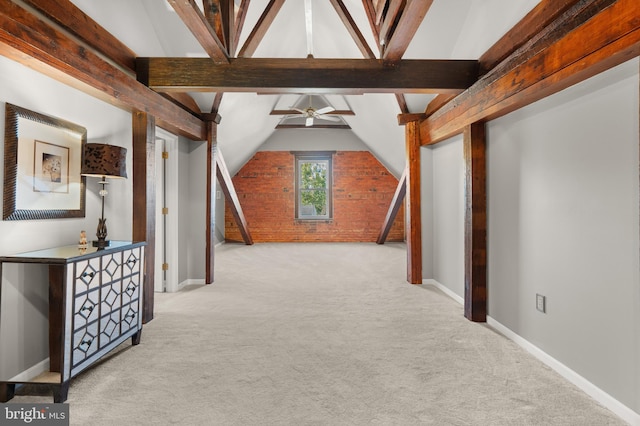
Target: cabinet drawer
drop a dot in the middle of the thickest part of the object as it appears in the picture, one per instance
(87, 275)
(111, 267)
(110, 328)
(85, 343)
(86, 308)
(131, 261)
(130, 290)
(110, 297)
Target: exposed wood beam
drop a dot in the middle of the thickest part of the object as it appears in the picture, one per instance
(217, 100)
(370, 11)
(210, 234)
(412, 223)
(410, 20)
(215, 18)
(184, 100)
(27, 39)
(211, 116)
(595, 35)
(524, 31)
(394, 208)
(402, 103)
(230, 195)
(193, 18)
(437, 103)
(144, 200)
(259, 31)
(386, 26)
(351, 26)
(475, 223)
(307, 75)
(75, 21)
(407, 118)
(239, 25)
(294, 112)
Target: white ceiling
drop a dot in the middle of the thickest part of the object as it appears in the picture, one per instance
(453, 29)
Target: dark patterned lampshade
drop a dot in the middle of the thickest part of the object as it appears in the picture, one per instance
(104, 160)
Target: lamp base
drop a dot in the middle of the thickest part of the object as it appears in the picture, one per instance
(101, 243)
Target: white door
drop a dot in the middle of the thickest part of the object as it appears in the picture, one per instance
(166, 260)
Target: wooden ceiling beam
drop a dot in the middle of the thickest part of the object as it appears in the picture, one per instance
(352, 28)
(27, 39)
(233, 201)
(215, 16)
(409, 22)
(194, 19)
(523, 32)
(239, 25)
(76, 22)
(269, 75)
(184, 100)
(259, 31)
(370, 11)
(591, 37)
(386, 26)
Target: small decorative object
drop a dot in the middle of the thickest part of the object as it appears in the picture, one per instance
(82, 243)
(104, 161)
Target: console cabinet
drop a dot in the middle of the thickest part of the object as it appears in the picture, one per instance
(95, 303)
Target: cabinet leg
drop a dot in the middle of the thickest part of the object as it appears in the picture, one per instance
(135, 339)
(7, 391)
(61, 392)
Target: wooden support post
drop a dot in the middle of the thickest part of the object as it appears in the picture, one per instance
(144, 200)
(475, 223)
(212, 147)
(231, 197)
(394, 207)
(413, 229)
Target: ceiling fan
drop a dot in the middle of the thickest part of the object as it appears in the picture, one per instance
(310, 113)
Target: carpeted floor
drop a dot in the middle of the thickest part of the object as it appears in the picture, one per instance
(321, 334)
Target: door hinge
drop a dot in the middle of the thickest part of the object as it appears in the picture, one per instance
(165, 210)
(165, 155)
(165, 266)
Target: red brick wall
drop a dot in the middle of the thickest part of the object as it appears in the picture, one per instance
(362, 192)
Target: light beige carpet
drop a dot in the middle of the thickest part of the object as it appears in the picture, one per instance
(321, 334)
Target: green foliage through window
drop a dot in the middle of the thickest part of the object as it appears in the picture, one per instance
(313, 177)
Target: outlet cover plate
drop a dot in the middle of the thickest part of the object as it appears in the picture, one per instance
(541, 303)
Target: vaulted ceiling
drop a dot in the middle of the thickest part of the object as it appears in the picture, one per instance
(454, 32)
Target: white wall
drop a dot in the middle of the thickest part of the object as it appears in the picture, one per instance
(563, 221)
(24, 301)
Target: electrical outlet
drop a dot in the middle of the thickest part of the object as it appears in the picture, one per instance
(541, 303)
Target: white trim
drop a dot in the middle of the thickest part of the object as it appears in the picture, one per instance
(171, 195)
(445, 290)
(191, 282)
(34, 371)
(618, 408)
(600, 396)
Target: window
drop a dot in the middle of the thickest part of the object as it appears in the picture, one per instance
(313, 186)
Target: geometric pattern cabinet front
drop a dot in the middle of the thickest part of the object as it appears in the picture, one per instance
(95, 304)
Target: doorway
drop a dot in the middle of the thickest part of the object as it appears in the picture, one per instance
(166, 212)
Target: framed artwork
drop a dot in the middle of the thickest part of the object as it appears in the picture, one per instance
(42, 161)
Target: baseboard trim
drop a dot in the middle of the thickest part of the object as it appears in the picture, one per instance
(191, 282)
(34, 371)
(445, 290)
(600, 396)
